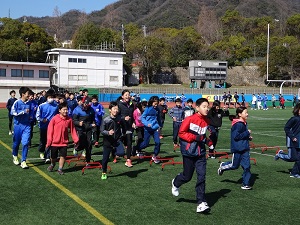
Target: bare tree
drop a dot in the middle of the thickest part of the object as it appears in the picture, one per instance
(110, 19)
(209, 26)
(57, 26)
(82, 19)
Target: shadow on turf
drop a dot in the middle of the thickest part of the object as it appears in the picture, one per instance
(253, 178)
(283, 171)
(212, 197)
(131, 174)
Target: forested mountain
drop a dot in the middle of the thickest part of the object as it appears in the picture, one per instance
(164, 13)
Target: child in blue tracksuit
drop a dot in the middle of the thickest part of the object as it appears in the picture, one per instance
(240, 136)
(72, 104)
(152, 123)
(292, 130)
(45, 112)
(177, 114)
(99, 113)
(33, 109)
(9, 104)
(21, 112)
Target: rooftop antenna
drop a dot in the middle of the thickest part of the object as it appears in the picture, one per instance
(8, 13)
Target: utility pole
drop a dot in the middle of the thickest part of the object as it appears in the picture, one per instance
(123, 37)
(144, 30)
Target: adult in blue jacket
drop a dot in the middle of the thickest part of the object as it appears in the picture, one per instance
(45, 112)
(152, 123)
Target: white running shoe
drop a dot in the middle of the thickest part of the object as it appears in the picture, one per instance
(42, 156)
(155, 159)
(202, 207)
(175, 190)
(24, 165)
(83, 154)
(15, 160)
(10, 133)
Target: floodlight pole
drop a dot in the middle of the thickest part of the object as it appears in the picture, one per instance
(268, 50)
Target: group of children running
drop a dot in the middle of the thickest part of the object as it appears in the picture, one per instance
(146, 118)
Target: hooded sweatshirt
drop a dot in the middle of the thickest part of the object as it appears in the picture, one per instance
(239, 136)
(58, 134)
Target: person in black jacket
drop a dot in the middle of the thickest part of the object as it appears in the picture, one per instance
(84, 121)
(126, 108)
(111, 131)
(215, 115)
(9, 104)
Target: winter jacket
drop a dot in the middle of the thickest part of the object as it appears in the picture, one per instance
(46, 111)
(188, 111)
(137, 116)
(99, 113)
(215, 117)
(58, 131)
(239, 136)
(177, 112)
(10, 103)
(192, 134)
(126, 109)
(72, 104)
(163, 109)
(151, 116)
(86, 115)
(292, 130)
(111, 123)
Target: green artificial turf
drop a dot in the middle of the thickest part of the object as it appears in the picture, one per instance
(142, 194)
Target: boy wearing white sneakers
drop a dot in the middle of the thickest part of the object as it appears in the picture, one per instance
(192, 134)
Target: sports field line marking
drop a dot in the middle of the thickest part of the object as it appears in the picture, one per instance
(70, 194)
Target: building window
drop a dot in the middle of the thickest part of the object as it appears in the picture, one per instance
(73, 77)
(2, 72)
(72, 60)
(77, 77)
(114, 78)
(82, 77)
(113, 62)
(81, 60)
(27, 73)
(16, 73)
(43, 74)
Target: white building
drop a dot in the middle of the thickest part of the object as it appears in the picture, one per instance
(86, 68)
(14, 75)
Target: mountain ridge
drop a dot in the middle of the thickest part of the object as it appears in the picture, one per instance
(168, 13)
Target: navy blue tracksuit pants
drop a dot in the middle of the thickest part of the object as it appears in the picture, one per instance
(176, 126)
(189, 166)
(240, 158)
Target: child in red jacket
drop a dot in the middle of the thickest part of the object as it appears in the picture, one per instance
(192, 134)
(58, 136)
